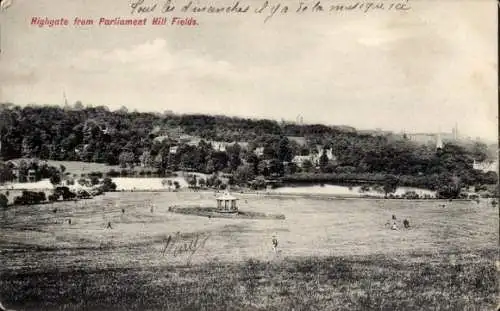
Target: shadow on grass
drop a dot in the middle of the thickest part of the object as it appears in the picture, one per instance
(331, 283)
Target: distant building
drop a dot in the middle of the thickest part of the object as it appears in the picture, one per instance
(161, 138)
(423, 138)
(314, 157)
(31, 175)
(486, 166)
(259, 151)
(15, 170)
(376, 132)
(426, 138)
(222, 145)
(193, 141)
(299, 160)
(173, 150)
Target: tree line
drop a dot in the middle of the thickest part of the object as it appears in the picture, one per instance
(96, 134)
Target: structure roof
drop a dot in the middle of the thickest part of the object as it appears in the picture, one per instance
(226, 197)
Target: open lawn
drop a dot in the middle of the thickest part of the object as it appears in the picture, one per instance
(331, 255)
(78, 167)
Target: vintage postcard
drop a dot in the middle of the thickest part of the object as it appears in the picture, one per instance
(249, 155)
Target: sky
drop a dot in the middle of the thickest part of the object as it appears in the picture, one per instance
(421, 70)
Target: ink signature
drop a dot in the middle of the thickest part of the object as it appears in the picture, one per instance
(176, 245)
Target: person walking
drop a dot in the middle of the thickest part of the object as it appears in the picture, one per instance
(275, 243)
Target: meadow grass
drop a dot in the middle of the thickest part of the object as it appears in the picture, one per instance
(416, 282)
(333, 255)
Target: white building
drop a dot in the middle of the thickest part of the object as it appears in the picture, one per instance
(314, 157)
(173, 150)
(486, 166)
(259, 151)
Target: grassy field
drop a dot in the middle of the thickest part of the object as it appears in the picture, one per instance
(332, 255)
(78, 167)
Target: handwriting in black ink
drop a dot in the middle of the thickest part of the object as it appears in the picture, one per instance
(177, 245)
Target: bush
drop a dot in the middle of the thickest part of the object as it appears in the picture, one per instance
(97, 191)
(55, 179)
(69, 195)
(108, 185)
(65, 193)
(411, 195)
(41, 196)
(83, 194)
(53, 197)
(113, 173)
(364, 188)
(30, 197)
(96, 174)
(94, 180)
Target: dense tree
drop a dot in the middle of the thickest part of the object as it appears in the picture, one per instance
(100, 135)
(108, 185)
(234, 156)
(284, 151)
(55, 179)
(244, 174)
(126, 158)
(323, 161)
(391, 183)
(307, 166)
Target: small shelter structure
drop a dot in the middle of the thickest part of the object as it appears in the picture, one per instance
(227, 203)
(31, 175)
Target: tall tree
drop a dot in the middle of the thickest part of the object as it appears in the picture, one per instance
(323, 161)
(284, 151)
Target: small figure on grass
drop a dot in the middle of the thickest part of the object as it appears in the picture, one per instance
(109, 225)
(69, 221)
(123, 211)
(392, 223)
(406, 223)
(275, 243)
(394, 226)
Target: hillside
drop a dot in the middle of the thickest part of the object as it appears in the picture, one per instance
(245, 148)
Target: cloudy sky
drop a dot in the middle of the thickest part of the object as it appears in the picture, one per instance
(421, 70)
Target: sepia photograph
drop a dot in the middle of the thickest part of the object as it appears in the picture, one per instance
(249, 155)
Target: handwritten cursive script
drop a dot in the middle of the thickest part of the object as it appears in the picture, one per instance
(269, 8)
(177, 245)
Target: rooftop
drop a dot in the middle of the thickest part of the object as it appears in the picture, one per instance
(226, 197)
